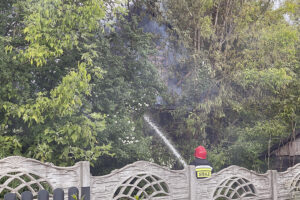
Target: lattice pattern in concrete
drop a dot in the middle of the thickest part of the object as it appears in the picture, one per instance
(144, 186)
(18, 182)
(234, 188)
(295, 186)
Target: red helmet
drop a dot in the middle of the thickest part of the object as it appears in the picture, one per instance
(200, 152)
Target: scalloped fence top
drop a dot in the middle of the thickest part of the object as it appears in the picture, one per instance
(145, 180)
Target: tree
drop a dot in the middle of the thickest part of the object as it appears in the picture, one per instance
(242, 68)
(82, 86)
(129, 88)
(49, 120)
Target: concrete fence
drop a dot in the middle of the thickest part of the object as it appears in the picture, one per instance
(148, 180)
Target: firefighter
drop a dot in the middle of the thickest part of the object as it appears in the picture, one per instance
(202, 166)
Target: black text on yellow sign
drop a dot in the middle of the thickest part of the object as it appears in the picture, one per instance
(203, 172)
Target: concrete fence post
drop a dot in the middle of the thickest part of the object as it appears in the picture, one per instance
(85, 175)
(85, 179)
(192, 182)
(273, 183)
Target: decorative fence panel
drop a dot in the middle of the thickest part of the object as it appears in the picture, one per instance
(142, 179)
(18, 174)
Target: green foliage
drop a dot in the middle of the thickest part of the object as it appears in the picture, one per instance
(138, 198)
(52, 26)
(239, 77)
(74, 90)
(75, 196)
(128, 88)
(9, 146)
(45, 113)
(77, 76)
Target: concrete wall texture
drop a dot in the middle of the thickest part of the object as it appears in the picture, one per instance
(150, 181)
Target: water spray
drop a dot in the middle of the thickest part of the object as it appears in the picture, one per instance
(166, 141)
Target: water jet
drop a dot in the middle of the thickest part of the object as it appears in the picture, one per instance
(165, 140)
